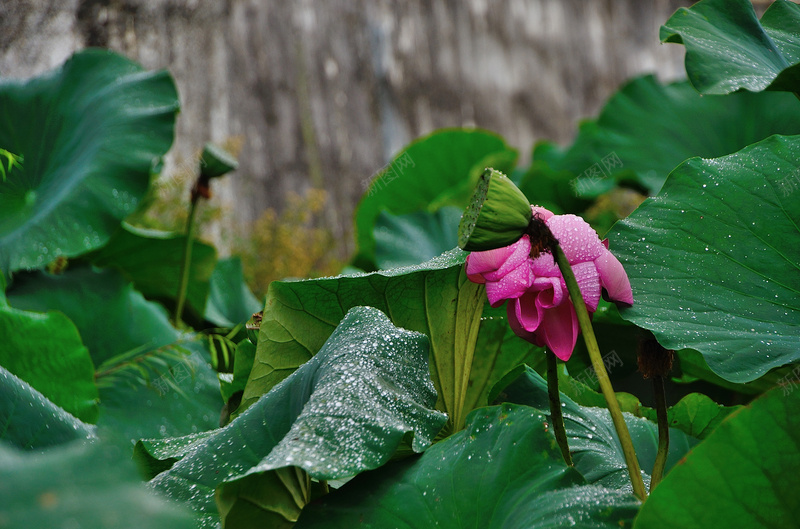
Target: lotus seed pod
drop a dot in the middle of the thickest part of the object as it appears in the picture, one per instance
(654, 359)
(498, 214)
(216, 161)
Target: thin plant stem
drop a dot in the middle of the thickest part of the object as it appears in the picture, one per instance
(663, 431)
(187, 262)
(602, 376)
(556, 417)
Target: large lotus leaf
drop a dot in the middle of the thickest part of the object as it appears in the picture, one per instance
(45, 350)
(647, 128)
(154, 456)
(728, 49)
(593, 440)
(343, 412)
(713, 259)
(123, 332)
(90, 132)
(29, 420)
(431, 172)
(152, 260)
(230, 301)
(690, 366)
(503, 471)
(413, 238)
(434, 298)
(745, 474)
(81, 485)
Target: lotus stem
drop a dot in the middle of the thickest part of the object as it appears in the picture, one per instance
(600, 369)
(187, 261)
(556, 417)
(663, 431)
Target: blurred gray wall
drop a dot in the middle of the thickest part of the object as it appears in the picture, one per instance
(323, 93)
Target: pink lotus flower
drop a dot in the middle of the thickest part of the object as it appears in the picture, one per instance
(539, 308)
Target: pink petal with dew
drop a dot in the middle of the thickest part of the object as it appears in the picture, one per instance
(578, 240)
(492, 265)
(545, 266)
(589, 282)
(480, 263)
(512, 285)
(559, 330)
(613, 278)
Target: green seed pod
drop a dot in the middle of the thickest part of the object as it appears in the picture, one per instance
(216, 161)
(498, 214)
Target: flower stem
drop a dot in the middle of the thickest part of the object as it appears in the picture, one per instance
(187, 262)
(556, 417)
(663, 431)
(600, 369)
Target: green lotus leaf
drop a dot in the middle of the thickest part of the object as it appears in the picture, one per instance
(80, 484)
(695, 414)
(28, 420)
(745, 474)
(690, 366)
(503, 471)
(713, 258)
(644, 131)
(413, 238)
(154, 456)
(368, 384)
(230, 301)
(153, 381)
(434, 298)
(90, 132)
(729, 49)
(45, 350)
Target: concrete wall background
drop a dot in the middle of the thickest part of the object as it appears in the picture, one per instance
(323, 93)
